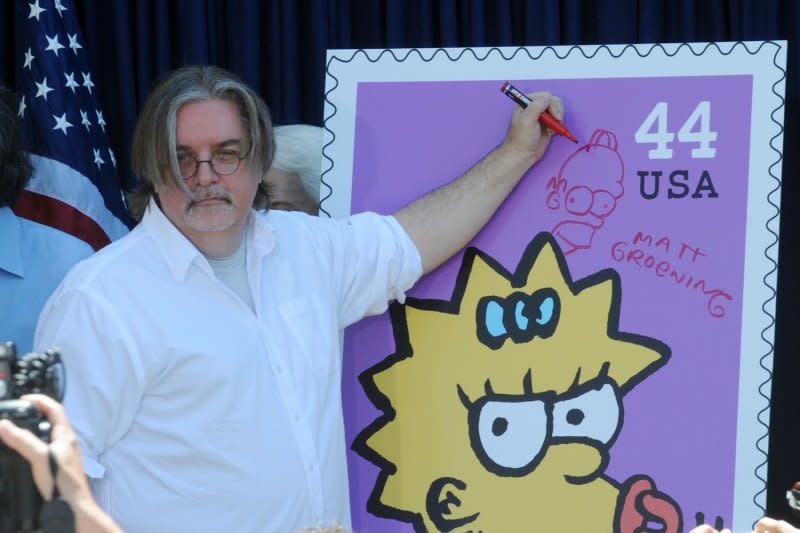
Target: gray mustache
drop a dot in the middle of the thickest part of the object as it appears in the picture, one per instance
(210, 192)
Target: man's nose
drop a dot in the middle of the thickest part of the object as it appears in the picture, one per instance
(205, 174)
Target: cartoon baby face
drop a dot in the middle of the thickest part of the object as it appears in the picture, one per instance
(501, 405)
(586, 191)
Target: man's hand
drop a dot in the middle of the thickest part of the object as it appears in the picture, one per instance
(445, 220)
(70, 479)
(526, 135)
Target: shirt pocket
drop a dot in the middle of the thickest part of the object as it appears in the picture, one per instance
(310, 337)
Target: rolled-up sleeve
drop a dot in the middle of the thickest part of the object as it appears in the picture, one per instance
(376, 262)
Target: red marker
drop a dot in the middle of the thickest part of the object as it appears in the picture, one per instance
(545, 118)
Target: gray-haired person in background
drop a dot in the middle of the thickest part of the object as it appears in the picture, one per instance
(293, 180)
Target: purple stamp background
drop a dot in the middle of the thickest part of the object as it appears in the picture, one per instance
(680, 423)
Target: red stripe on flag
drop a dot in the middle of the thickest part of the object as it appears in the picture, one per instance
(62, 216)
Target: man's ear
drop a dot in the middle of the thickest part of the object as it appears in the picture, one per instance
(443, 505)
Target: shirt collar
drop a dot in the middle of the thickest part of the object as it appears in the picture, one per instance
(179, 252)
(261, 233)
(10, 243)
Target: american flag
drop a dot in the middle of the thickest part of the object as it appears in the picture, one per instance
(75, 186)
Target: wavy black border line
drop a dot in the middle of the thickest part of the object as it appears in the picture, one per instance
(770, 251)
(764, 413)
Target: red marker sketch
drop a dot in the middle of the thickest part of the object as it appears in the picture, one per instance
(587, 189)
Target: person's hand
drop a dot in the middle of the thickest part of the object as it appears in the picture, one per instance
(71, 480)
(765, 525)
(768, 525)
(525, 133)
(705, 528)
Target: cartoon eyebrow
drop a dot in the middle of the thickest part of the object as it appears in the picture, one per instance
(527, 389)
(577, 380)
(527, 383)
(465, 401)
(603, 374)
(595, 383)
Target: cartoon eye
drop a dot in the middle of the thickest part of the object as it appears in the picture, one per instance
(603, 203)
(578, 200)
(594, 415)
(511, 435)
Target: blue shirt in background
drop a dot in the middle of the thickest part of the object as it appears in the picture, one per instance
(34, 258)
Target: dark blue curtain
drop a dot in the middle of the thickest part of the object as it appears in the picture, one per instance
(278, 46)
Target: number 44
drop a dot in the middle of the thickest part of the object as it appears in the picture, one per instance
(662, 137)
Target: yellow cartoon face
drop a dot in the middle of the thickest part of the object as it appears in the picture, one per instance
(501, 405)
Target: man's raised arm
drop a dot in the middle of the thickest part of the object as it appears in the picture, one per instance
(445, 220)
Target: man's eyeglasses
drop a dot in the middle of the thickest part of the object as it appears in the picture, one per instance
(222, 163)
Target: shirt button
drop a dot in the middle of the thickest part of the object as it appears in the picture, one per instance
(311, 468)
(280, 369)
(297, 418)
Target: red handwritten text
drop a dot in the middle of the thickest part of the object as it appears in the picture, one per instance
(671, 261)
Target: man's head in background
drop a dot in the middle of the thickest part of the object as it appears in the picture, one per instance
(15, 167)
(293, 179)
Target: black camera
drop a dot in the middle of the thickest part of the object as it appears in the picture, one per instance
(20, 501)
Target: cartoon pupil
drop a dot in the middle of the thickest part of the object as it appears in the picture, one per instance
(501, 405)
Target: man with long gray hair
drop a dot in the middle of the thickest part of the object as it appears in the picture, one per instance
(202, 349)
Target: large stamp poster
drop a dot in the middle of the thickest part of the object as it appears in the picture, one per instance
(599, 357)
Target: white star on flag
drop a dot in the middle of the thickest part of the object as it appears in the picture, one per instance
(87, 81)
(100, 121)
(74, 187)
(71, 83)
(111, 155)
(62, 123)
(35, 10)
(73, 42)
(97, 159)
(60, 8)
(53, 44)
(42, 89)
(28, 59)
(85, 119)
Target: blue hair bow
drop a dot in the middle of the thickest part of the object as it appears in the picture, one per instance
(519, 317)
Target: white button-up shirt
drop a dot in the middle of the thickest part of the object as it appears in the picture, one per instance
(193, 412)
